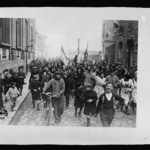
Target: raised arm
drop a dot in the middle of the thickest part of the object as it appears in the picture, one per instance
(121, 100)
(46, 86)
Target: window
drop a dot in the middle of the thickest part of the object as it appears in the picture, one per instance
(120, 45)
(22, 55)
(18, 33)
(18, 54)
(5, 30)
(4, 53)
(26, 31)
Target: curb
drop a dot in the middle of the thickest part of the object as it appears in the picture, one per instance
(19, 108)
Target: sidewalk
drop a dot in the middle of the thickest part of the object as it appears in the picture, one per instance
(20, 99)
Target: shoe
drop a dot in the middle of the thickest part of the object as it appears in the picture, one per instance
(56, 121)
(127, 113)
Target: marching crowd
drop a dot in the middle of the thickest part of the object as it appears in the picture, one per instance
(99, 88)
(11, 85)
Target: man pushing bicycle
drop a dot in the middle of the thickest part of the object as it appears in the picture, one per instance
(57, 88)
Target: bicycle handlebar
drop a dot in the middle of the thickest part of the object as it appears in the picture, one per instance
(50, 95)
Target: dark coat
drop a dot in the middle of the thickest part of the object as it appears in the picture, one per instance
(7, 83)
(68, 84)
(35, 85)
(1, 90)
(90, 108)
(104, 104)
(21, 76)
(79, 78)
(79, 98)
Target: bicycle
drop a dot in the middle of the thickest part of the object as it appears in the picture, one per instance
(47, 97)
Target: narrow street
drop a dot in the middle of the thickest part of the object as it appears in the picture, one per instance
(26, 115)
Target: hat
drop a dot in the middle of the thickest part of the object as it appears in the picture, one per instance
(57, 73)
(13, 83)
(127, 76)
(88, 85)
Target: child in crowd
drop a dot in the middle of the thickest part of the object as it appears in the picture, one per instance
(13, 94)
(79, 99)
(90, 97)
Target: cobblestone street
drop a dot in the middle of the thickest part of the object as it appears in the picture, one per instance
(26, 115)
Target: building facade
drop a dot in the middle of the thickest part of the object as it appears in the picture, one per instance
(108, 42)
(17, 43)
(126, 43)
(40, 51)
(120, 42)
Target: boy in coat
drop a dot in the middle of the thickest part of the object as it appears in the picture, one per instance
(90, 98)
(106, 105)
(79, 99)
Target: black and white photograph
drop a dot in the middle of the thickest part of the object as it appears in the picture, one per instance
(69, 67)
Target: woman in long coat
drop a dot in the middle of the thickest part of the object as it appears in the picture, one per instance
(36, 89)
(90, 98)
(79, 99)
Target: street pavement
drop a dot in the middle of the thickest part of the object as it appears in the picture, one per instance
(26, 115)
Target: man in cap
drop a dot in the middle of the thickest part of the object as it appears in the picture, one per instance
(58, 89)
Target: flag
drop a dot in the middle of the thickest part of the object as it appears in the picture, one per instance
(64, 58)
(86, 54)
(94, 62)
(75, 60)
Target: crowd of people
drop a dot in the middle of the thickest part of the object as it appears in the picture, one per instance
(11, 85)
(96, 88)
